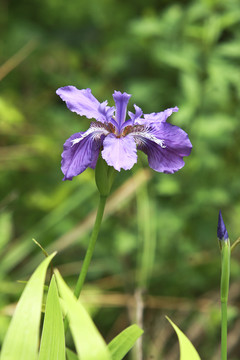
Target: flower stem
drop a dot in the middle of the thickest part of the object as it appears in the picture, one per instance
(226, 251)
(89, 253)
(91, 246)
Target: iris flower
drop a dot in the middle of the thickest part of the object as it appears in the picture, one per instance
(119, 139)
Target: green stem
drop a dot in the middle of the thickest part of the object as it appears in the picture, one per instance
(226, 251)
(235, 244)
(89, 253)
(224, 331)
(91, 246)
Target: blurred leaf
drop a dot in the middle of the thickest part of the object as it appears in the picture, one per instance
(187, 351)
(10, 116)
(53, 339)
(21, 341)
(217, 128)
(123, 342)
(230, 49)
(51, 219)
(5, 228)
(88, 341)
(146, 27)
(71, 355)
(168, 186)
(177, 59)
(191, 87)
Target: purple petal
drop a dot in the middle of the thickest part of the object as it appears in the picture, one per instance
(165, 147)
(126, 123)
(119, 152)
(121, 101)
(137, 115)
(80, 152)
(85, 104)
(161, 116)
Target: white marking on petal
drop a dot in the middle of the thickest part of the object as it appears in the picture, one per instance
(146, 135)
(96, 132)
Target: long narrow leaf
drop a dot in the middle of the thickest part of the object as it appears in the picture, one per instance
(123, 342)
(187, 350)
(88, 341)
(71, 355)
(21, 341)
(53, 339)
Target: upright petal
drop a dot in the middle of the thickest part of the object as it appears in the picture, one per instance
(137, 115)
(121, 101)
(165, 147)
(121, 153)
(80, 152)
(85, 104)
(159, 117)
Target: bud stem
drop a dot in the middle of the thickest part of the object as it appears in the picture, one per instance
(225, 274)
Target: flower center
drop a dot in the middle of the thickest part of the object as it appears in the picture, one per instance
(140, 133)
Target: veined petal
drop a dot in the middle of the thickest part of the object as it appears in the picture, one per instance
(121, 101)
(121, 153)
(164, 146)
(174, 138)
(159, 117)
(80, 151)
(85, 104)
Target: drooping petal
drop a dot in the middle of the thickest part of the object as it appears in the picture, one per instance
(121, 153)
(121, 101)
(80, 151)
(85, 104)
(158, 117)
(164, 146)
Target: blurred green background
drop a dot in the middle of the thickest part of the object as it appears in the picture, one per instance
(158, 239)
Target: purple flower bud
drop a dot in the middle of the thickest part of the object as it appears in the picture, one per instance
(222, 233)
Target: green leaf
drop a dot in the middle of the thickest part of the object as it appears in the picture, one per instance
(21, 341)
(123, 342)
(53, 340)
(71, 355)
(187, 350)
(88, 341)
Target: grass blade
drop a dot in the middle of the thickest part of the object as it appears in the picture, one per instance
(88, 341)
(53, 339)
(187, 350)
(71, 355)
(21, 341)
(123, 342)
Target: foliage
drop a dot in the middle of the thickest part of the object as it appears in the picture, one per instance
(187, 351)
(26, 323)
(26, 320)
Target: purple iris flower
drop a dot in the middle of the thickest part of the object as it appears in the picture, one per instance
(117, 138)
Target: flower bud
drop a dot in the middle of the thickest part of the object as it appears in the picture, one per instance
(222, 233)
(104, 176)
